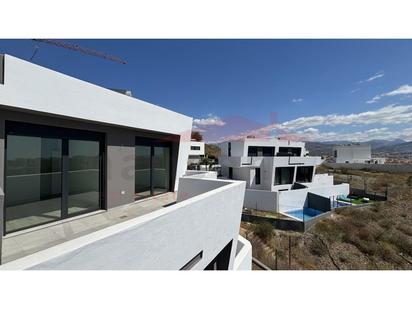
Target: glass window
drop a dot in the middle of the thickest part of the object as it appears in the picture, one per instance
(161, 170)
(142, 171)
(284, 175)
(152, 173)
(289, 152)
(50, 176)
(254, 151)
(304, 173)
(257, 176)
(83, 176)
(33, 181)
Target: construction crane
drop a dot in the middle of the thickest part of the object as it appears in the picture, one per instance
(78, 48)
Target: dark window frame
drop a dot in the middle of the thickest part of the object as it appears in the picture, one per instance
(152, 143)
(289, 152)
(306, 173)
(278, 171)
(257, 176)
(196, 259)
(261, 151)
(18, 128)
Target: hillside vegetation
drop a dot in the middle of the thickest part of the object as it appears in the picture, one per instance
(378, 236)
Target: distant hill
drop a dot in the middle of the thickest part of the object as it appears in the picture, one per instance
(212, 150)
(319, 149)
(403, 148)
(378, 146)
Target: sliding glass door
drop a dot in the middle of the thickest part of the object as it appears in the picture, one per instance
(143, 171)
(83, 177)
(161, 170)
(51, 174)
(152, 168)
(33, 181)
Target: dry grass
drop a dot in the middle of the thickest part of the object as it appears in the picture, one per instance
(373, 237)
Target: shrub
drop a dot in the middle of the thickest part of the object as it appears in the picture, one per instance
(263, 229)
(330, 229)
(317, 248)
(401, 241)
(385, 223)
(409, 181)
(405, 228)
(386, 251)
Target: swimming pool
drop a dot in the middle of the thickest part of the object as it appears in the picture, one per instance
(304, 214)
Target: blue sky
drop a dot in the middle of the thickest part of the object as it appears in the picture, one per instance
(299, 89)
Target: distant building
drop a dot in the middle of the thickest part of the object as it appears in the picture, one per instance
(279, 175)
(196, 152)
(355, 153)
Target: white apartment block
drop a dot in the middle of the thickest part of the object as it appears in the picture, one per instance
(94, 179)
(355, 153)
(196, 152)
(279, 174)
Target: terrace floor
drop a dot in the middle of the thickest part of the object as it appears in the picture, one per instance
(20, 244)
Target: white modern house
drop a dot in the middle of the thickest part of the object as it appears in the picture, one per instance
(196, 152)
(355, 153)
(95, 179)
(279, 174)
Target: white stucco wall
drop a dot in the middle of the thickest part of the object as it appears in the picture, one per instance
(243, 259)
(200, 152)
(34, 88)
(201, 174)
(321, 179)
(239, 148)
(352, 153)
(297, 199)
(261, 200)
(164, 239)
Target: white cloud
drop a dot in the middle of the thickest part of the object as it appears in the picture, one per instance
(311, 131)
(304, 126)
(359, 136)
(211, 120)
(355, 90)
(391, 114)
(298, 100)
(377, 75)
(402, 90)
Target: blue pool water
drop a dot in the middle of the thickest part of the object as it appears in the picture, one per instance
(304, 214)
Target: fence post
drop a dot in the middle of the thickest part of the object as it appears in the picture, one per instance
(290, 249)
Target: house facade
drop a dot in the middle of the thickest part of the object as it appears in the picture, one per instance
(196, 152)
(70, 149)
(278, 173)
(355, 153)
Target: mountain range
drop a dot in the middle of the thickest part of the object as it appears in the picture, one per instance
(378, 146)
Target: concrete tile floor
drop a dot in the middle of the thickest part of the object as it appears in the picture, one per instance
(25, 243)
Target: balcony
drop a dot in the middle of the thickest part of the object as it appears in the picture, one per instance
(156, 233)
(277, 161)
